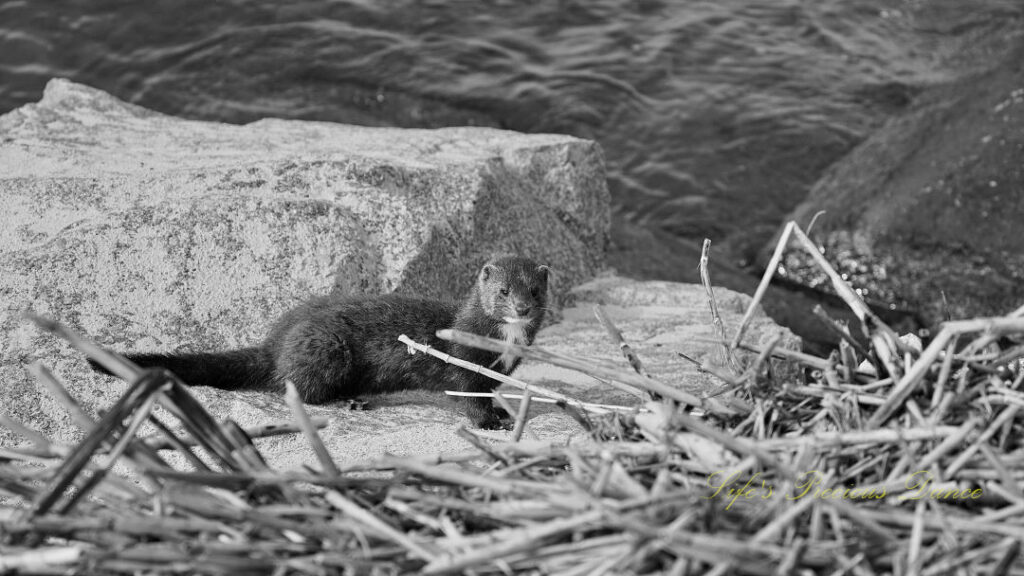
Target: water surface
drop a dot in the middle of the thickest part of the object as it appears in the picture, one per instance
(715, 116)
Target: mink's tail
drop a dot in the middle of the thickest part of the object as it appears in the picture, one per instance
(244, 369)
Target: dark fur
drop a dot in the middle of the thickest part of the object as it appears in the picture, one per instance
(333, 347)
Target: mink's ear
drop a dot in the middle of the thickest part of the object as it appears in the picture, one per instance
(486, 272)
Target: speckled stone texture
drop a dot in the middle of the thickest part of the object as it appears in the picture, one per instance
(152, 232)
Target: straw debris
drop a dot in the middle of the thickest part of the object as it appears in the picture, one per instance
(886, 459)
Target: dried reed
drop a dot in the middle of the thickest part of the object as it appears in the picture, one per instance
(886, 460)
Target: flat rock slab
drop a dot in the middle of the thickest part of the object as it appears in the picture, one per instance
(150, 232)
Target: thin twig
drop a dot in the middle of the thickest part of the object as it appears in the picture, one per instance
(524, 410)
(302, 420)
(762, 287)
(616, 337)
(593, 368)
(532, 388)
(716, 318)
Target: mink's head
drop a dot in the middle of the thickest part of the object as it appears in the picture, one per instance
(514, 290)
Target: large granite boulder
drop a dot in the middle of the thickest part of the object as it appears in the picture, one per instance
(153, 232)
(931, 204)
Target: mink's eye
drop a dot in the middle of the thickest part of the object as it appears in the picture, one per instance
(535, 293)
(504, 291)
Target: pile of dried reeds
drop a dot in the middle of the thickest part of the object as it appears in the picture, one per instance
(888, 459)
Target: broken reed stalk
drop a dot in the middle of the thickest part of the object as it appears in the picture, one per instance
(479, 444)
(766, 279)
(787, 354)
(506, 395)
(716, 318)
(302, 420)
(913, 377)
(44, 376)
(29, 434)
(511, 543)
(500, 399)
(40, 560)
(519, 415)
(860, 309)
(356, 512)
(616, 337)
(117, 365)
(762, 358)
(594, 369)
(839, 331)
(524, 410)
(842, 288)
(886, 343)
(533, 388)
(110, 425)
(727, 378)
(831, 440)
(260, 431)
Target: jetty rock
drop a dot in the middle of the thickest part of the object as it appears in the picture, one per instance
(148, 232)
(926, 212)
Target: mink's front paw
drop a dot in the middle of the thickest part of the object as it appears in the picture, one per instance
(354, 404)
(493, 419)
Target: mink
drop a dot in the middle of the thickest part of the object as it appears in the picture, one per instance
(335, 347)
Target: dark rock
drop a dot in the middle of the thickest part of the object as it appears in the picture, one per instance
(651, 254)
(926, 213)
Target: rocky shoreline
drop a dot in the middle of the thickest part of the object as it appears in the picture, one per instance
(147, 231)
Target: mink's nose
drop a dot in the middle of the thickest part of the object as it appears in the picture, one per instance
(522, 309)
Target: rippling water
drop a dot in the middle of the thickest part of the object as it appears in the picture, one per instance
(716, 116)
